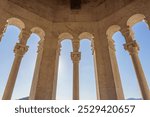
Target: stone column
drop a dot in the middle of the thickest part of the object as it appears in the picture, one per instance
(19, 50)
(132, 47)
(76, 56)
(112, 52)
(37, 69)
(56, 71)
(95, 69)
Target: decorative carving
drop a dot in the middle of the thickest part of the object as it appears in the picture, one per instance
(76, 45)
(2, 31)
(75, 56)
(148, 23)
(132, 47)
(128, 34)
(24, 36)
(20, 49)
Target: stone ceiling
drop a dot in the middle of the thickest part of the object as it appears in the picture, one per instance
(54, 9)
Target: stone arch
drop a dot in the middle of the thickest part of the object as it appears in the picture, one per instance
(39, 31)
(64, 35)
(12, 21)
(16, 22)
(111, 46)
(111, 30)
(90, 36)
(135, 19)
(86, 35)
(61, 37)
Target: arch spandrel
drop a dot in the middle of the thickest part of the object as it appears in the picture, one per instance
(16, 22)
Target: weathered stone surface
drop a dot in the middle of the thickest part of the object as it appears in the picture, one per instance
(52, 18)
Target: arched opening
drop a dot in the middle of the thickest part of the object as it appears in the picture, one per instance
(128, 77)
(88, 82)
(142, 35)
(132, 21)
(65, 72)
(10, 23)
(87, 78)
(16, 22)
(26, 71)
(7, 55)
(114, 64)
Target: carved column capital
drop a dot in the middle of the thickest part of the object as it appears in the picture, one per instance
(132, 47)
(20, 49)
(75, 56)
(24, 36)
(128, 34)
(76, 45)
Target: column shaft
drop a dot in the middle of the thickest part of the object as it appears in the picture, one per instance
(76, 56)
(12, 78)
(133, 48)
(75, 81)
(36, 73)
(141, 77)
(115, 69)
(56, 72)
(19, 50)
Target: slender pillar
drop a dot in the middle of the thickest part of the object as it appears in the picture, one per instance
(132, 47)
(19, 50)
(95, 69)
(56, 71)
(76, 56)
(37, 69)
(112, 52)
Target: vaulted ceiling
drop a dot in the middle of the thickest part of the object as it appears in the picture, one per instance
(97, 9)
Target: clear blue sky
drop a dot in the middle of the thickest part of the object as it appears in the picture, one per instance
(87, 76)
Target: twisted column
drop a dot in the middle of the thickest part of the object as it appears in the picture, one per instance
(76, 56)
(19, 50)
(132, 47)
